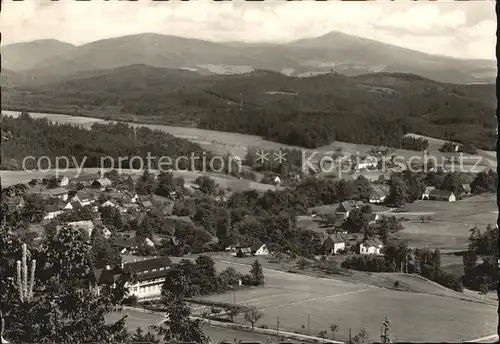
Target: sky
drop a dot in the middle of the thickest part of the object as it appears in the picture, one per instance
(464, 29)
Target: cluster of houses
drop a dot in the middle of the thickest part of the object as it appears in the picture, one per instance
(97, 192)
(340, 243)
(431, 193)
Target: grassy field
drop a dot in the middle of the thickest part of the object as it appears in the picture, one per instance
(144, 320)
(451, 223)
(293, 298)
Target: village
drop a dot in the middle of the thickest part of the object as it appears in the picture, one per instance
(96, 194)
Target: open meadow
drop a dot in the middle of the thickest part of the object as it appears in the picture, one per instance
(451, 222)
(293, 298)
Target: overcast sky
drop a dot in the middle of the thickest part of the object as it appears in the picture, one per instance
(463, 29)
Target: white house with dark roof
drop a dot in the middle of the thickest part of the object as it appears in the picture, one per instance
(60, 193)
(60, 180)
(371, 246)
(145, 278)
(427, 192)
(52, 211)
(377, 196)
(72, 206)
(442, 195)
(129, 197)
(334, 243)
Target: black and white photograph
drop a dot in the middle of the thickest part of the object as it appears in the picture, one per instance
(233, 172)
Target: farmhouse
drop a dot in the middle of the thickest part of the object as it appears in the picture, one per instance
(377, 196)
(52, 211)
(338, 224)
(146, 204)
(60, 193)
(146, 277)
(59, 180)
(371, 246)
(441, 195)
(86, 179)
(427, 191)
(147, 242)
(125, 245)
(367, 164)
(17, 202)
(109, 203)
(371, 218)
(81, 197)
(259, 249)
(106, 232)
(346, 207)
(129, 197)
(243, 251)
(72, 206)
(277, 180)
(131, 207)
(103, 281)
(101, 184)
(334, 243)
(86, 227)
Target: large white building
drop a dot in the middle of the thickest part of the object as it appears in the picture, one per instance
(144, 279)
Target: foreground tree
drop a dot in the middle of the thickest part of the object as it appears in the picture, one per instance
(61, 308)
(144, 337)
(252, 315)
(179, 326)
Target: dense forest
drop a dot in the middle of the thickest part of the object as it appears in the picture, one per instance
(25, 136)
(375, 109)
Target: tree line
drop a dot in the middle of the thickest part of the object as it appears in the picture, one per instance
(26, 136)
(397, 257)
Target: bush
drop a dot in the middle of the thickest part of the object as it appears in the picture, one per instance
(247, 280)
(132, 301)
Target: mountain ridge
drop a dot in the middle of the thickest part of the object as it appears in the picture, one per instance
(351, 55)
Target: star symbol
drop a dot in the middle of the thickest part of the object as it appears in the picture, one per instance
(262, 157)
(280, 156)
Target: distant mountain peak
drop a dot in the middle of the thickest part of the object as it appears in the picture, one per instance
(46, 41)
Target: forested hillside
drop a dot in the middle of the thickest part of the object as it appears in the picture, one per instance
(25, 136)
(375, 109)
